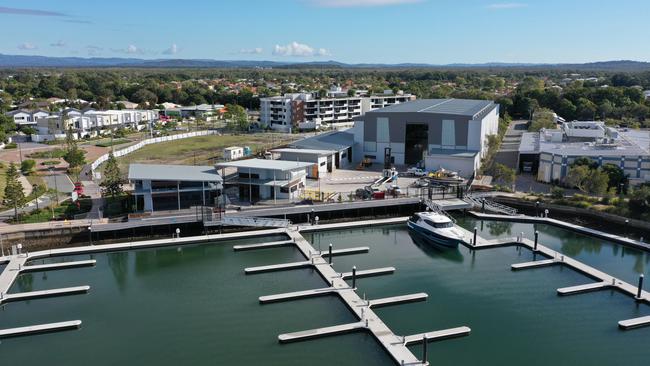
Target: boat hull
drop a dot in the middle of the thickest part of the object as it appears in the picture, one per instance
(434, 238)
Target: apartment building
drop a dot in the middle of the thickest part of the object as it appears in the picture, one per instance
(23, 117)
(336, 108)
(89, 123)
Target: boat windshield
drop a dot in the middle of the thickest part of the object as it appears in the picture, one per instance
(439, 225)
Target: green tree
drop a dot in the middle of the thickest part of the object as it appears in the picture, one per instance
(617, 177)
(639, 202)
(74, 156)
(577, 177)
(113, 181)
(27, 166)
(504, 174)
(13, 195)
(585, 161)
(236, 117)
(542, 118)
(597, 182)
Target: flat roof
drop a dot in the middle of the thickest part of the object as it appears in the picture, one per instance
(332, 140)
(630, 143)
(461, 107)
(188, 173)
(268, 164)
(305, 151)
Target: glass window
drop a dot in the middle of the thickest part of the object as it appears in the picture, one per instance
(439, 225)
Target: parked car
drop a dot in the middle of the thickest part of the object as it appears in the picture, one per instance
(417, 172)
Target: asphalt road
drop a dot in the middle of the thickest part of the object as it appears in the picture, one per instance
(63, 182)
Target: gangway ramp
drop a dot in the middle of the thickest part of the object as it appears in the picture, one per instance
(248, 222)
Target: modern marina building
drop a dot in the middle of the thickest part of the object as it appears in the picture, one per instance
(549, 153)
(436, 133)
(174, 187)
(262, 179)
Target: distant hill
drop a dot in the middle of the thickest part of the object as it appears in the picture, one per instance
(19, 61)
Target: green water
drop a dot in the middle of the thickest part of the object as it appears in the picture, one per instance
(516, 317)
(195, 306)
(620, 261)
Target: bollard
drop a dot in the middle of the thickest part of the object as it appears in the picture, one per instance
(536, 237)
(475, 233)
(424, 349)
(640, 289)
(483, 205)
(354, 277)
(537, 209)
(330, 256)
(627, 223)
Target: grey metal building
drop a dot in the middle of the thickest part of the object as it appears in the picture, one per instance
(174, 187)
(441, 133)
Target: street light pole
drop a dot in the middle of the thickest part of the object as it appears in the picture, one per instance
(34, 187)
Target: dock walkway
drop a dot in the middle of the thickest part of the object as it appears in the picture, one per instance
(371, 322)
(565, 225)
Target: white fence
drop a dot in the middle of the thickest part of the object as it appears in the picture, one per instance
(139, 145)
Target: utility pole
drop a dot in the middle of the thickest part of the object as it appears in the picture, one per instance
(20, 152)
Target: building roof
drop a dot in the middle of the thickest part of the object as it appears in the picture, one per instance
(461, 107)
(267, 164)
(17, 111)
(630, 143)
(333, 140)
(305, 151)
(188, 173)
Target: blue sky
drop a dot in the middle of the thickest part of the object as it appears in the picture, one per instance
(375, 31)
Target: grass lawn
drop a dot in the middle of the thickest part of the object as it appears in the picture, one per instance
(65, 210)
(49, 154)
(35, 179)
(108, 143)
(202, 150)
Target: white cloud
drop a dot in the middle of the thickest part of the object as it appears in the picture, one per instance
(355, 3)
(251, 51)
(58, 44)
(299, 50)
(506, 6)
(171, 50)
(27, 46)
(132, 49)
(93, 50)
